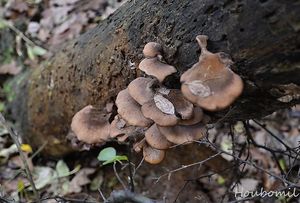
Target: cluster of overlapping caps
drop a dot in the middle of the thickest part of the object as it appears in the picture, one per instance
(165, 117)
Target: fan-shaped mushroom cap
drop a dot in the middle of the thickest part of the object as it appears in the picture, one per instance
(151, 111)
(152, 49)
(196, 117)
(90, 125)
(210, 83)
(182, 134)
(155, 139)
(140, 89)
(182, 106)
(130, 110)
(153, 156)
(154, 67)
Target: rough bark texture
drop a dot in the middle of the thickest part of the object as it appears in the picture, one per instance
(262, 37)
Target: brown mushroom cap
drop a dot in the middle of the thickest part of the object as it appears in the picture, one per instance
(153, 156)
(196, 117)
(210, 83)
(182, 106)
(154, 67)
(140, 89)
(152, 49)
(155, 139)
(151, 111)
(130, 110)
(90, 125)
(181, 134)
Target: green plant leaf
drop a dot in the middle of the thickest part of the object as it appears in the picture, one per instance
(21, 186)
(282, 164)
(221, 180)
(3, 23)
(30, 52)
(2, 106)
(39, 51)
(62, 169)
(121, 158)
(107, 154)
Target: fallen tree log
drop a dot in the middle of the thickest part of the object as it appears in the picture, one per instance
(262, 37)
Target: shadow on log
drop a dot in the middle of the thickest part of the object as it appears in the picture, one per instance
(262, 37)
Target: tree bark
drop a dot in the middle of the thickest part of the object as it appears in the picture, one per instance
(262, 37)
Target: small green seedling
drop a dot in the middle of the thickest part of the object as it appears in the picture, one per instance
(109, 155)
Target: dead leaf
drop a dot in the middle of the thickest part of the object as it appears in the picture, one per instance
(198, 88)
(80, 179)
(11, 68)
(164, 104)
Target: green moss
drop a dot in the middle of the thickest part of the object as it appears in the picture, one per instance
(9, 92)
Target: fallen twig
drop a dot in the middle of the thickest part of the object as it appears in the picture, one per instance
(15, 139)
(121, 196)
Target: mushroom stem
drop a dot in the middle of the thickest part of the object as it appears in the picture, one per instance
(202, 41)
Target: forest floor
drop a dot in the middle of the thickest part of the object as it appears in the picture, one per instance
(31, 31)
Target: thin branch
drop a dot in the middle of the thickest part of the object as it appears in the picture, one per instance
(140, 164)
(118, 177)
(14, 137)
(20, 33)
(38, 150)
(272, 134)
(181, 189)
(65, 199)
(255, 166)
(130, 168)
(187, 166)
(121, 196)
(249, 135)
(101, 194)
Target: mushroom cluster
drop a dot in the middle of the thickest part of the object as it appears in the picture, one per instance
(160, 117)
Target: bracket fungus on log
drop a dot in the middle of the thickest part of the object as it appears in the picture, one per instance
(152, 155)
(141, 90)
(155, 139)
(210, 83)
(156, 117)
(130, 110)
(152, 49)
(153, 64)
(90, 125)
(183, 134)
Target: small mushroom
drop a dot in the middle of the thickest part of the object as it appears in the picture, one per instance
(130, 110)
(153, 156)
(156, 68)
(196, 117)
(155, 139)
(210, 83)
(152, 49)
(141, 90)
(90, 125)
(182, 134)
(164, 116)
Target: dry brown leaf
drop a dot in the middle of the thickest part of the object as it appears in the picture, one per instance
(164, 104)
(80, 179)
(11, 68)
